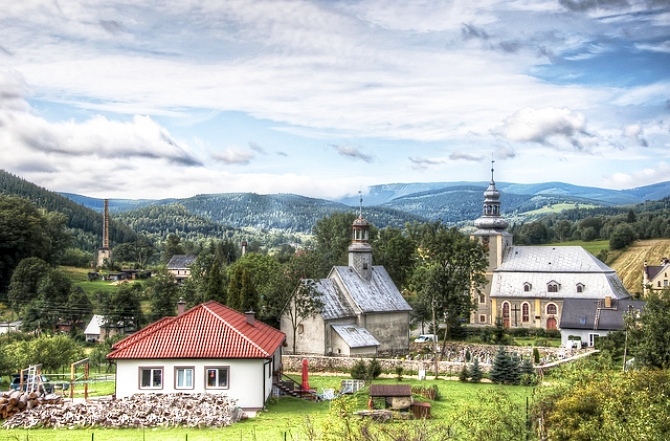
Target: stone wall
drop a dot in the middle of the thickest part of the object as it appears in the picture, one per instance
(451, 364)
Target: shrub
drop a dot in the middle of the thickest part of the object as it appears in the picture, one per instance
(374, 368)
(359, 371)
(399, 370)
(464, 374)
(476, 373)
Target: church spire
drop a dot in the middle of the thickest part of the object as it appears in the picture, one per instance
(360, 250)
(491, 218)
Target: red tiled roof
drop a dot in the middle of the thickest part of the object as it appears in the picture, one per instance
(209, 330)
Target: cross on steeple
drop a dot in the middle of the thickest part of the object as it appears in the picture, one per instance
(360, 208)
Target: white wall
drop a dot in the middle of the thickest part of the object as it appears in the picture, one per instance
(249, 381)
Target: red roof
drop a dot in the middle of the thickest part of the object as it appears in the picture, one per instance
(209, 330)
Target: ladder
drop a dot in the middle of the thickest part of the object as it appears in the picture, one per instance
(33, 378)
(597, 318)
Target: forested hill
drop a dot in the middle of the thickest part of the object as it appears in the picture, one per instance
(86, 222)
(289, 213)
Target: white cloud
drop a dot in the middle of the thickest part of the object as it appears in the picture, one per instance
(234, 155)
(646, 176)
(544, 125)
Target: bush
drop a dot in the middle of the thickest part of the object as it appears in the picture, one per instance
(476, 373)
(359, 371)
(374, 368)
(464, 374)
(399, 370)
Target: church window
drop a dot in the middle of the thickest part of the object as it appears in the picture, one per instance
(551, 309)
(505, 314)
(527, 287)
(525, 312)
(552, 287)
(580, 287)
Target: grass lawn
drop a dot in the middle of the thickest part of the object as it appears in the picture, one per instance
(594, 247)
(285, 418)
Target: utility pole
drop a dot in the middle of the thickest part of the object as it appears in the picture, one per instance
(435, 343)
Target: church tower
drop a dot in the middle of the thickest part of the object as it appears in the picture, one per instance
(360, 250)
(491, 230)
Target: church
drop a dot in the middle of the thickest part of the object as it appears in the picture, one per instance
(363, 312)
(529, 286)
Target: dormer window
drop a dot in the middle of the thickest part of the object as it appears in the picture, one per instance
(552, 287)
(527, 287)
(580, 287)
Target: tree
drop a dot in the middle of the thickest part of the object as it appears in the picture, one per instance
(395, 252)
(333, 237)
(505, 368)
(476, 373)
(26, 232)
(79, 306)
(138, 252)
(451, 267)
(172, 246)
(24, 281)
(122, 308)
(650, 336)
(304, 303)
(622, 236)
(242, 294)
(163, 294)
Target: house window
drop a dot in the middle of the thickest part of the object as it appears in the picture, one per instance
(482, 298)
(551, 309)
(217, 377)
(525, 312)
(552, 287)
(527, 287)
(183, 378)
(659, 283)
(482, 318)
(151, 378)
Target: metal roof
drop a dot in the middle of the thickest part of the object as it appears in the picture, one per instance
(181, 261)
(538, 266)
(209, 330)
(379, 294)
(335, 305)
(390, 390)
(581, 314)
(355, 336)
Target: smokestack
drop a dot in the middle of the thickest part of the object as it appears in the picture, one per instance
(251, 317)
(105, 225)
(181, 306)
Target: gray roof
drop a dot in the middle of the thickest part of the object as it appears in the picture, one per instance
(566, 266)
(181, 261)
(335, 304)
(379, 294)
(355, 336)
(581, 314)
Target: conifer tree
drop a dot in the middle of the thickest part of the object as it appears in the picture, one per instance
(476, 373)
(502, 369)
(464, 374)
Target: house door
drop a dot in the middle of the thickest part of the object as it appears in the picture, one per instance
(551, 323)
(505, 313)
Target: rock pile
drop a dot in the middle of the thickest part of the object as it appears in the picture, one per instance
(140, 410)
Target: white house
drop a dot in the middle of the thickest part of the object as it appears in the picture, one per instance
(180, 266)
(208, 349)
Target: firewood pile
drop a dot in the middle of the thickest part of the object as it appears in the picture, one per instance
(137, 411)
(15, 401)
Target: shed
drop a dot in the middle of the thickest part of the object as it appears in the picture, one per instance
(396, 396)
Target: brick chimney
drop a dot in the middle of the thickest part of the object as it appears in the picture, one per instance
(181, 306)
(251, 317)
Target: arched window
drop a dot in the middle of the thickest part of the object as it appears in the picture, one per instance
(527, 287)
(505, 314)
(552, 309)
(552, 287)
(525, 312)
(580, 287)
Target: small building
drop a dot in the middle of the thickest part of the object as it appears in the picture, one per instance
(98, 329)
(585, 320)
(180, 266)
(656, 277)
(363, 311)
(396, 396)
(208, 349)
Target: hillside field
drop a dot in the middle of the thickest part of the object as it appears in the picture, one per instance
(630, 263)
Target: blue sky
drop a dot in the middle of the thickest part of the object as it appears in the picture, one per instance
(138, 99)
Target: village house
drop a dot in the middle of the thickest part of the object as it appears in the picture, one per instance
(527, 286)
(583, 321)
(208, 349)
(363, 312)
(656, 277)
(180, 266)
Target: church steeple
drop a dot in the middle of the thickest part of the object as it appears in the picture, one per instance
(360, 250)
(491, 218)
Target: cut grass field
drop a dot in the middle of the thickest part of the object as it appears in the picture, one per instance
(285, 418)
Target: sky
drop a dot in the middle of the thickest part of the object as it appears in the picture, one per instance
(172, 98)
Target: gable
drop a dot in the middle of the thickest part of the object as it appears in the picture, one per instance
(181, 261)
(209, 330)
